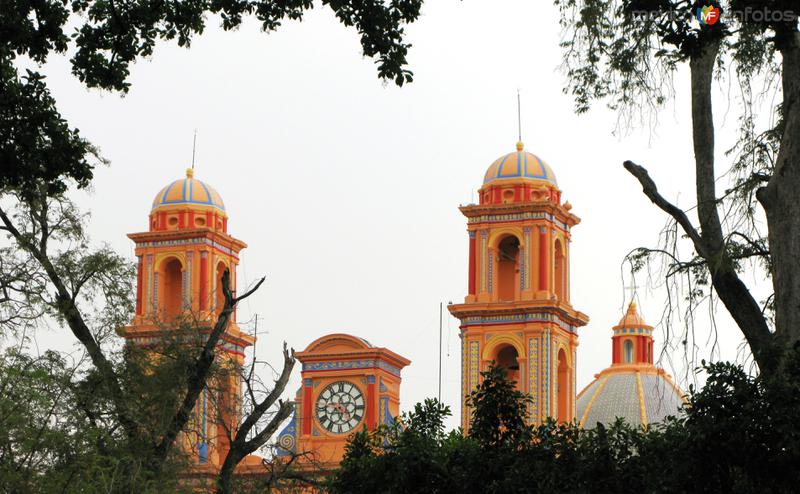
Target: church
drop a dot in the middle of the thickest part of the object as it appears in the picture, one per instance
(517, 313)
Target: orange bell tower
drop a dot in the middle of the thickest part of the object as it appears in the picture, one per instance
(180, 263)
(517, 311)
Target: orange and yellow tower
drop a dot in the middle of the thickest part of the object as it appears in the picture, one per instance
(517, 311)
(180, 263)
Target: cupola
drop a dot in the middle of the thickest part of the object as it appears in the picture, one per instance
(188, 203)
(517, 177)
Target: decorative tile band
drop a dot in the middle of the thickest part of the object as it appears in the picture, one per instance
(484, 261)
(499, 218)
(474, 370)
(148, 286)
(352, 364)
(147, 341)
(533, 378)
(155, 292)
(189, 241)
(546, 374)
(526, 252)
(491, 268)
(464, 381)
(643, 331)
(529, 317)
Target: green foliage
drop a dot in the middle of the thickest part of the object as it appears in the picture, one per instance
(626, 53)
(38, 149)
(54, 434)
(737, 434)
(499, 416)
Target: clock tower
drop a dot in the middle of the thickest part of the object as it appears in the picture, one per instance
(518, 311)
(348, 385)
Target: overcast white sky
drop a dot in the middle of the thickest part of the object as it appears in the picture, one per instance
(346, 190)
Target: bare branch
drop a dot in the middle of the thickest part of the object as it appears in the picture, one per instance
(651, 191)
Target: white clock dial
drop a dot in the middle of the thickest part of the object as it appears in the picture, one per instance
(340, 407)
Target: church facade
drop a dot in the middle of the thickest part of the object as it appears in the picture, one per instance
(517, 313)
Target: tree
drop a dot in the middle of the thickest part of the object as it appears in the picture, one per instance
(499, 416)
(626, 52)
(737, 434)
(50, 268)
(130, 398)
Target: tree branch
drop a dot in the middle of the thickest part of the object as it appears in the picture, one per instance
(201, 368)
(732, 291)
(241, 446)
(66, 307)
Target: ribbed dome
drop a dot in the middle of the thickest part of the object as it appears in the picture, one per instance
(640, 396)
(188, 191)
(520, 165)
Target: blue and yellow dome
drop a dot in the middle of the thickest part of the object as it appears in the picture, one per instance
(520, 165)
(188, 192)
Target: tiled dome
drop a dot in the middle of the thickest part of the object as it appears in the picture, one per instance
(640, 396)
(520, 165)
(190, 192)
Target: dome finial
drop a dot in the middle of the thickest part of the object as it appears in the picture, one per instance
(189, 173)
(520, 145)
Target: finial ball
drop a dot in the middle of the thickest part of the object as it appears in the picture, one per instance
(520, 146)
(189, 173)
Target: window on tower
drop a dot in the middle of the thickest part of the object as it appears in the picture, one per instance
(628, 351)
(508, 268)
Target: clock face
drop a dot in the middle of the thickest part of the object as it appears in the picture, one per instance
(340, 407)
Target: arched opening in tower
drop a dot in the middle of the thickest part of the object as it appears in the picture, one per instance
(508, 268)
(562, 387)
(172, 299)
(508, 357)
(559, 275)
(220, 295)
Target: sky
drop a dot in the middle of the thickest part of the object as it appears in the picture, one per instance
(346, 189)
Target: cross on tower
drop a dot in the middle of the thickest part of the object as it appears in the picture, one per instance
(632, 289)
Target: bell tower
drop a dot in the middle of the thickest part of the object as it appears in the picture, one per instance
(180, 263)
(517, 311)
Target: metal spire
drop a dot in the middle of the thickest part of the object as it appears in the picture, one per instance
(519, 118)
(194, 147)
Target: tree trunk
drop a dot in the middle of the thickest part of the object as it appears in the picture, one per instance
(780, 201)
(731, 290)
